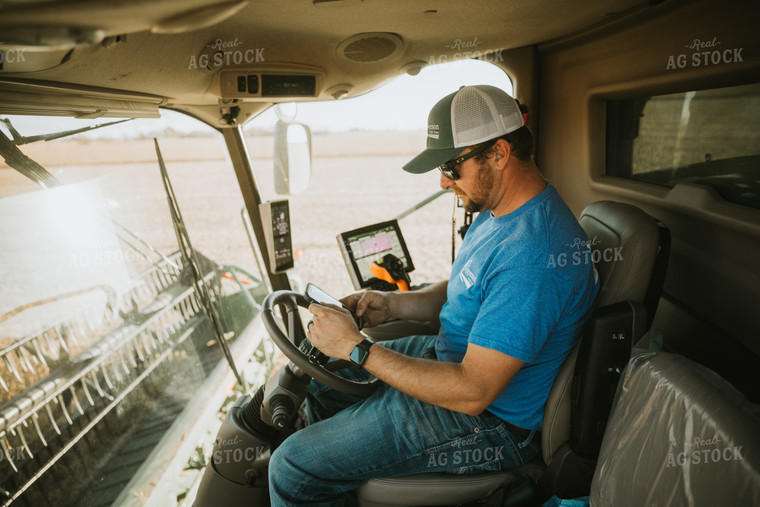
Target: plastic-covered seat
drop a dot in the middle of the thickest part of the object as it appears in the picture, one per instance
(630, 251)
(678, 435)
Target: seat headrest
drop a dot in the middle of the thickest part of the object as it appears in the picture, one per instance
(678, 435)
(624, 243)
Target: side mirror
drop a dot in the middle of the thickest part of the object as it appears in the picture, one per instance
(292, 157)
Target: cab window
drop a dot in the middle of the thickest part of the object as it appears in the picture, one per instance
(709, 137)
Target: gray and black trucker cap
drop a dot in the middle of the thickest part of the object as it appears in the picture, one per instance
(471, 115)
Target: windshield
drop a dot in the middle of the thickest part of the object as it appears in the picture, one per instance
(103, 333)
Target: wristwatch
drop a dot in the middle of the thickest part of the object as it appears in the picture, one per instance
(361, 352)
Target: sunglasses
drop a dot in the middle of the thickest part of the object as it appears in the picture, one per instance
(449, 168)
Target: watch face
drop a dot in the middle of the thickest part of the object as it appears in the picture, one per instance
(360, 352)
(358, 355)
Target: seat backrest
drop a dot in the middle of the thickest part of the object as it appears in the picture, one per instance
(630, 250)
(678, 435)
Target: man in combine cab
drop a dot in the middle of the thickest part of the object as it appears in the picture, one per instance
(470, 398)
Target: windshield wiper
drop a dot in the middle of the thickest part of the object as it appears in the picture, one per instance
(16, 159)
(18, 139)
(191, 260)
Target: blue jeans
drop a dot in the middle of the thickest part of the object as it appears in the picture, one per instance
(350, 440)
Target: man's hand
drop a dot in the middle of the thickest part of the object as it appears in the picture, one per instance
(333, 331)
(372, 307)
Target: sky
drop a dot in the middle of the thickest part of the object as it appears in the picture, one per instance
(401, 104)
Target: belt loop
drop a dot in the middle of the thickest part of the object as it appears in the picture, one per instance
(528, 440)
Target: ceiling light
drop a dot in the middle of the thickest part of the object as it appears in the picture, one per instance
(414, 68)
(339, 91)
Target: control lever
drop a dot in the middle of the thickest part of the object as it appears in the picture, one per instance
(281, 408)
(283, 395)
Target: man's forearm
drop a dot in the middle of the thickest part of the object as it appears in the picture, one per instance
(422, 305)
(439, 383)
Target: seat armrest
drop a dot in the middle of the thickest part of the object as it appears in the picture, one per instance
(399, 329)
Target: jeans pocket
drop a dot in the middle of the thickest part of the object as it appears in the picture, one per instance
(484, 450)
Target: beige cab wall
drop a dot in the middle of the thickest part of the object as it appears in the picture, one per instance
(712, 293)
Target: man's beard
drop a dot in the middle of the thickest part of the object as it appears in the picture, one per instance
(477, 200)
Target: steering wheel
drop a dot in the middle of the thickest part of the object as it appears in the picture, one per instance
(324, 373)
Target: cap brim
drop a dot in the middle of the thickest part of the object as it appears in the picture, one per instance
(430, 159)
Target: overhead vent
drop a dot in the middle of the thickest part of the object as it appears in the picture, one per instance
(370, 47)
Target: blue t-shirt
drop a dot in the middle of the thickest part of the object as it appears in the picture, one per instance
(522, 284)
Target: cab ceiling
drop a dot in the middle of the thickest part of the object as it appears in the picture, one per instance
(294, 31)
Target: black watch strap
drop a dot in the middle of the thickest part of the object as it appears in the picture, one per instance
(360, 353)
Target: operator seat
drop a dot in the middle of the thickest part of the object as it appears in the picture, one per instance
(630, 251)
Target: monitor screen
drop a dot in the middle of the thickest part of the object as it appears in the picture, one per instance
(361, 247)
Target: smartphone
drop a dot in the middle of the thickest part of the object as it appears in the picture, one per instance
(320, 297)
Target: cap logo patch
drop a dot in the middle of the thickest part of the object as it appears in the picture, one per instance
(433, 131)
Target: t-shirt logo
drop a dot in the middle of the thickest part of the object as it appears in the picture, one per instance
(467, 276)
(433, 131)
